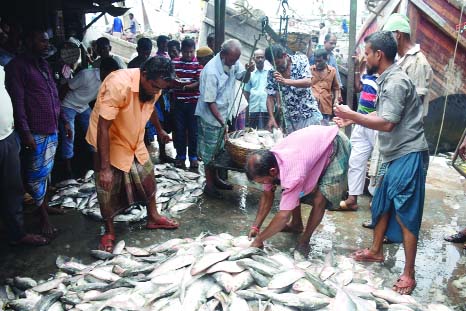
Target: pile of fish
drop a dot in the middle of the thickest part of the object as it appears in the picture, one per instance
(256, 139)
(211, 272)
(177, 190)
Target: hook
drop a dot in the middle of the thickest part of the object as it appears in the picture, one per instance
(283, 6)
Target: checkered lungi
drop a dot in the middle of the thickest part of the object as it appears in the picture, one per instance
(207, 139)
(128, 188)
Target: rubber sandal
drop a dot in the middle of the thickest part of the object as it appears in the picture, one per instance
(106, 242)
(405, 283)
(368, 224)
(364, 255)
(345, 207)
(163, 223)
(31, 240)
(456, 238)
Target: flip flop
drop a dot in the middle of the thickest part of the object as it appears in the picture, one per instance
(288, 228)
(456, 238)
(32, 240)
(364, 255)
(368, 224)
(163, 223)
(404, 283)
(106, 242)
(345, 207)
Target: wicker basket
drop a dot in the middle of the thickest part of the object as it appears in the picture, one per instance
(238, 154)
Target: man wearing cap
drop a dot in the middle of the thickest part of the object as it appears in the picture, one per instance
(125, 173)
(204, 54)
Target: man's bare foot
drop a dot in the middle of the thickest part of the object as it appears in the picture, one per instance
(55, 211)
(404, 285)
(303, 248)
(48, 230)
(32, 239)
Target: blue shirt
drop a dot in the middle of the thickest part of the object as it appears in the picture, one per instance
(117, 24)
(332, 61)
(256, 89)
(368, 95)
(132, 26)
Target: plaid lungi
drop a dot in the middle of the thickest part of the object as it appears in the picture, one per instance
(128, 188)
(207, 139)
(334, 182)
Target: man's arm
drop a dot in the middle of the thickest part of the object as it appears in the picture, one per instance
(276, 225)
(103, 150)
(265, 205)
(270, 109)
(371, 121)
(217, 115)
(154, 119)
(246, 95)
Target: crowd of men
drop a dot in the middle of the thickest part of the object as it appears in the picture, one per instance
(190, 93)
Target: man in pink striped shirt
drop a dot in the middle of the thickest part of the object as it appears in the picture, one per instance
(311, 167)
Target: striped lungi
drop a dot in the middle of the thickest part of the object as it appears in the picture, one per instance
(37, 165)
(127, 189)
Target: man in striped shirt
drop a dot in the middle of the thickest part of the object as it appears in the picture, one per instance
(362, 138)
(188, 70)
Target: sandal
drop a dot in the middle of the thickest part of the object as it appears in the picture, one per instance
(365, 255)
(368, 224)
(32, 240)
(404, 285)
(163, 223)
(106, 243)
(346, 207)
(459, 237)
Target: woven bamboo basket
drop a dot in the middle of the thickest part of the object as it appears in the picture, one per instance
(238, 154)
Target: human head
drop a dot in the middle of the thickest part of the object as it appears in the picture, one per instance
(380, 51)
(321, 25)
(156, 74)
(37, 42)
(320, 59)
(204, 54)
(174, 48)
(211, 41)
(398, 24)
(262, 167)
(103, 47)
(144, 47)
(259, 58)
(330, 42)
(230, 52)
(162, 43)
(188, 49)
(107, 66)
(131, 15)
(278, 54)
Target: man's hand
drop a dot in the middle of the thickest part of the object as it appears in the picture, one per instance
(462, 150)
(279, 78)
(164, 137)
(343, 111)
(105, 178)
(68, 132)
(257, 243)
(252, 233)
(250, 67)
(28, 142)
(225, 134)
(342, 122)
(272, 124)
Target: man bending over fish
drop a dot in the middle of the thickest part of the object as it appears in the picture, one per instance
(125, 173)
(311, 167)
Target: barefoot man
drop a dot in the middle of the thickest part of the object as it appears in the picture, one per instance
(125, 173)
(310, 165)
(399, 200)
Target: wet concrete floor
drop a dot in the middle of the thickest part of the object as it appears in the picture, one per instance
(438, 263)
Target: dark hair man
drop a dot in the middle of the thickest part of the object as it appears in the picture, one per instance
(399, 200)
(330, 42)
(174, 49)
(124, 105)
(162, 46)
(144, 48)
(211, 41)
(103, 49)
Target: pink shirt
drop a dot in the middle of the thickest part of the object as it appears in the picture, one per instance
(302, 157)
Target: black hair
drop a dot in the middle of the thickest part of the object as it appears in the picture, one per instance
(366, 39)
(109, 64)
(144, 44)
(131, 14)
(321, 53)
(102, 41)
(385, 42)
(329, 36)
(265, 160)
(188, 43)
(158, 67)
(277, 50)
(161, 39)
(211, 36)
(174, 43)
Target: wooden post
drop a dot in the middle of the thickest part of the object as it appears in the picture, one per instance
(351, 49)
(220, 7)
(145, 18)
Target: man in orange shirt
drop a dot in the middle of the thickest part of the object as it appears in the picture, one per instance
(324, 84)
(125, 173)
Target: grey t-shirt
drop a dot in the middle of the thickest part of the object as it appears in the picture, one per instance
(398, 102)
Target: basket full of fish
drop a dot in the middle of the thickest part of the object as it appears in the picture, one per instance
(211, 272)
(241, 143)
(177, 190)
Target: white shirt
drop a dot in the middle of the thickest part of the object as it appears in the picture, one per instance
(6, 109)
(218, 87)
(84, 88)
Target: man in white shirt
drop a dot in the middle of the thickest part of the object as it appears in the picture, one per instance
(83, 88)
(11, 184)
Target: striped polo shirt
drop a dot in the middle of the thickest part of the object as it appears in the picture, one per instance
(189, 71)
(368, 94)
